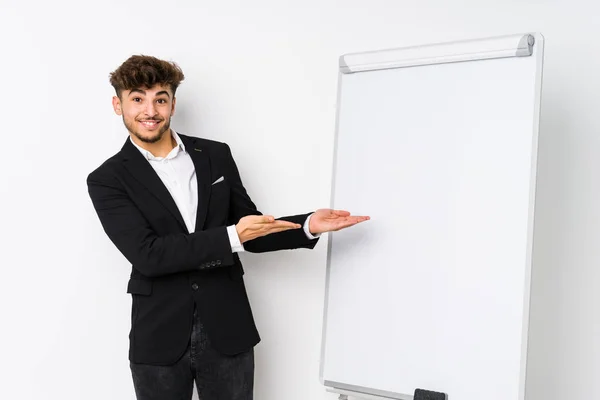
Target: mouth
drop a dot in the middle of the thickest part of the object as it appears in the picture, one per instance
(149, 124)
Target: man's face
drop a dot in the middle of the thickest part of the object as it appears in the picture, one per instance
(146, 111)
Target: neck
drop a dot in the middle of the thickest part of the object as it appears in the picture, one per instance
(158, 149)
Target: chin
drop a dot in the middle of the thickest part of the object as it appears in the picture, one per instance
(149, 138)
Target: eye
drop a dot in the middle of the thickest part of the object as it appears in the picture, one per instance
(162, 101)
(137, 99)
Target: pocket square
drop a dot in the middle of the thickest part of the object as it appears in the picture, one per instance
(221, 179)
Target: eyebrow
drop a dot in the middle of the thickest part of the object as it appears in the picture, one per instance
(144, 92)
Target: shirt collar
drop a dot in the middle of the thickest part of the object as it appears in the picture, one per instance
(172, 154)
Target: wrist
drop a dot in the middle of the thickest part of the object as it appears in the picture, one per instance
(311, 231)
(240, 236)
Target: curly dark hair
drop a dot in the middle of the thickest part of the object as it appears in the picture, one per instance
(142, 71)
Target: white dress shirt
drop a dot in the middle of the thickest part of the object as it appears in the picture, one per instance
(177, 173)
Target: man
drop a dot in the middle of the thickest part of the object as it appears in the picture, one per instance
(175, 207)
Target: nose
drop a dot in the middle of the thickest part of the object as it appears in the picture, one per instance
(150, 109)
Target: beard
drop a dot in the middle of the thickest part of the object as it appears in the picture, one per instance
(152, 139)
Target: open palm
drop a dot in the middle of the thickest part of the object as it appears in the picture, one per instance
(328, 220)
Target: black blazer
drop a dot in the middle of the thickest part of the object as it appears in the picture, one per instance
(172, 269)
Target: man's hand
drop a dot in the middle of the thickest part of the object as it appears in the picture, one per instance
(327, 220)
(253, 226)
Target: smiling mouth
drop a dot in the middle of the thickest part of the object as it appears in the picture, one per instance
(150, 123)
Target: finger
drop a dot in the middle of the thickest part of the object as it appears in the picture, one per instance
(280, 222)
(261, 222)
(350, 222)
(266, 226)
(283, 225)
(281, 229)
(353, 219)
(358, 218)
(341, 213)
(277, 225)
(264, 219)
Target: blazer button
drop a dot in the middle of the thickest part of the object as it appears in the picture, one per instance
(218, 262)
(212, 263)
(195, 286)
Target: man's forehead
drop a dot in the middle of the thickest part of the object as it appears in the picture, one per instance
(155, 90)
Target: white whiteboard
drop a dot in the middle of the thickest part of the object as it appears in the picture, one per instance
(433, 291)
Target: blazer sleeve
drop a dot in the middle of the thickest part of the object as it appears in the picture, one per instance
(150, 254)
(241, 205)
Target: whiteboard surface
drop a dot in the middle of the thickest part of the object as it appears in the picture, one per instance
(433, 292)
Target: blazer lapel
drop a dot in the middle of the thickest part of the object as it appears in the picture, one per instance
(141, 170)
(201, 161)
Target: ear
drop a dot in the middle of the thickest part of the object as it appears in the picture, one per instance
(116, 102)
(173, 106)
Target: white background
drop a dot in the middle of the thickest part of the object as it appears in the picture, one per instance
(262, 76)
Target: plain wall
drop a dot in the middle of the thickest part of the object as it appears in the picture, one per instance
(261, 76)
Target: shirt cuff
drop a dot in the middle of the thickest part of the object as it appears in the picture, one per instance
(234, 240)
(307, 230)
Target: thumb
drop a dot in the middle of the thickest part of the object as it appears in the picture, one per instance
(341, 213)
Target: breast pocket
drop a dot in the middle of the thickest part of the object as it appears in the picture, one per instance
(219, 198)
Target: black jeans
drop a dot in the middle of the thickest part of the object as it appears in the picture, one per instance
(217, 376)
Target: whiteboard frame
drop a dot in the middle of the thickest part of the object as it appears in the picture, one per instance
(520, 45)
(524, 45)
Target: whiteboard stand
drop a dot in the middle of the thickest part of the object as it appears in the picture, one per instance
(345, 393)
